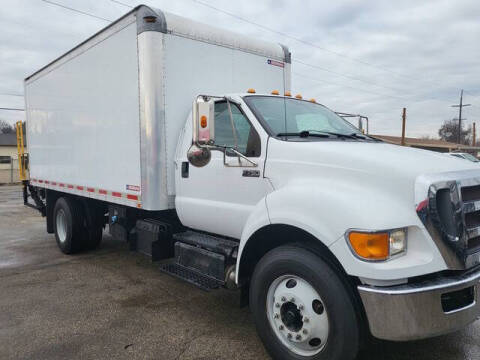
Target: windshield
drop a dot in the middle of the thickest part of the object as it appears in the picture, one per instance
(470, 157)
(292, 116)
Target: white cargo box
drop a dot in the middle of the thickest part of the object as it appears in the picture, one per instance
(103, 119)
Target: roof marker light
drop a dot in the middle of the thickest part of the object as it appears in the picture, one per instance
(313, 100)
(251, 91)
(203, 121)
(150, 19)
(275, 92)
(298, 96)
(288, 93)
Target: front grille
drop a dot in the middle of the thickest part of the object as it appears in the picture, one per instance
(470, 196)
(453, 219)
(471, 193)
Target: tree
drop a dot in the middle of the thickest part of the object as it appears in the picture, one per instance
(6, 128)
(449, 132)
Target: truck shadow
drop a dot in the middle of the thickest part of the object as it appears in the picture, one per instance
(460, 345)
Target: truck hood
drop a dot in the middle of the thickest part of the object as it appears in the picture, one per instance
(362, 164)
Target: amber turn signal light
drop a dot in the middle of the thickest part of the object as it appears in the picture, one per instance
(370, 246)
(203, 121)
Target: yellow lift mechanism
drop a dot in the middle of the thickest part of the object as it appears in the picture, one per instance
(22, 162)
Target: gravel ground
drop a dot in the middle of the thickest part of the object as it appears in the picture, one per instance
(112, 303)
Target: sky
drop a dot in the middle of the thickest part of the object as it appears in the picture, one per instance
(363, 57)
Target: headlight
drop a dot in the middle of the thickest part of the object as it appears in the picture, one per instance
(377, 245)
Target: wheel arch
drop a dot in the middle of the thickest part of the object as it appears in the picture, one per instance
(272, 236)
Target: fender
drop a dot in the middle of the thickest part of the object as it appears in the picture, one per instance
(257, 219)
(326, 212)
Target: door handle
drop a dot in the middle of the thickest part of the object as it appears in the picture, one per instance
(251, 173)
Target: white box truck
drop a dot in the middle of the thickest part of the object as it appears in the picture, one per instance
(331, 236)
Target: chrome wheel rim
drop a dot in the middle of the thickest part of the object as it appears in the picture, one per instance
(297, 315)
(61, 224)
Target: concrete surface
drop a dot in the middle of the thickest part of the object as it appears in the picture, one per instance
(111, 303)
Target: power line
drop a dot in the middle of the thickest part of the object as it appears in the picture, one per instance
(75, 10)
(274, 31)
(10, 94)
(315, 46)
(12, 109)
(347, 86)
(121, 3)
(301, 40)
(286, 35)
(344, 75)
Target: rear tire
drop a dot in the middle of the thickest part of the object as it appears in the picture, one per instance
(94, 223)
(95, 235)
(69, 225)
(290, 324)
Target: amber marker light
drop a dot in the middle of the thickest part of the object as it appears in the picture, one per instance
(203, 121)
(251, 91)
(288, 93)
(313, 100)
(275, 92)
(298, 96)
(370, 246)
(378, 245)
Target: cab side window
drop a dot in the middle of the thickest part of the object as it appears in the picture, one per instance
(248, 140)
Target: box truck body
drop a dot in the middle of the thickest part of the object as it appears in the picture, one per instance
(104, 119)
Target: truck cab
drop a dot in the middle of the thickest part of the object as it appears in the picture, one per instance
(287, 173)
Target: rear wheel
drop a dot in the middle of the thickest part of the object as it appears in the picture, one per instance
(94, 232)
(301, 307)
(68, 222)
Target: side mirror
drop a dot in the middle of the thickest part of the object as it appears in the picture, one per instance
(203, 131)
(203, 115)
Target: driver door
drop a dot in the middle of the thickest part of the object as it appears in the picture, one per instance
(220, 196)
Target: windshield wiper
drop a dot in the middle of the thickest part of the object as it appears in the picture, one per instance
(304, 134)
(352, 136)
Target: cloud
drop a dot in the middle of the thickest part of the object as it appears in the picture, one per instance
(411, 54)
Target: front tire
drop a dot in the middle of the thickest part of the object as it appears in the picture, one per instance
(301, 307)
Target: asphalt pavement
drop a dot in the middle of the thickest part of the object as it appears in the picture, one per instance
(115, 304)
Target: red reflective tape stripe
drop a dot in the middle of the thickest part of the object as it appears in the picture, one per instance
(80, 187)
(90, 189)
(132, 197)
(117, 194)
(103, 192)
(61, 185)
(70, 186)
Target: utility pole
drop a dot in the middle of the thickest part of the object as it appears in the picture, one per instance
(404, 119)
(474, 138)
(460, 107)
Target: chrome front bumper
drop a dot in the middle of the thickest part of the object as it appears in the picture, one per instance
(424, 309)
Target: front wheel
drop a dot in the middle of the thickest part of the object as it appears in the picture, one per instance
(302, 308)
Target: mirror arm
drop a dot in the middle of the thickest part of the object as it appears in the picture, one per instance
(239, 154)
(234, 130)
